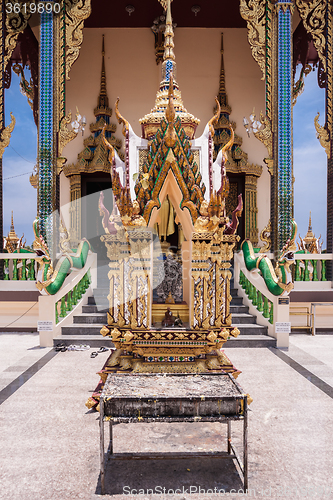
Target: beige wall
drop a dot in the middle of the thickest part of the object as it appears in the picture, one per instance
(132, 74)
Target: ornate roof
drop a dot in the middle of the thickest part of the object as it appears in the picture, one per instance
(94, 156)
(170, 150)
(237, 159)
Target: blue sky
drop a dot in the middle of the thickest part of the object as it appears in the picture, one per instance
(19, 158)
(310, 162)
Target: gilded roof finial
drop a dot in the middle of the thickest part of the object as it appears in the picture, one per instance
(151, 122)
(310, 223)
(169, 59)
(170, 115)
(12, 236)
(168, 36)
(103, 100)
(222, 90)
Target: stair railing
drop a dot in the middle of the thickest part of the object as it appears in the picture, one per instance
(19, 271)
(310, 271)
(56, 311)
(270, 310)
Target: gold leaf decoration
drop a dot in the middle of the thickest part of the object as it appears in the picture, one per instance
(253, 12)
(6, 135)
(323, 135)
(313, 16)
(76, 12)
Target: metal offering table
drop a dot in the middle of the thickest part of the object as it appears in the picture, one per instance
(134, 398)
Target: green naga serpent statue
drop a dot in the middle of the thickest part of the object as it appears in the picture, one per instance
(278, 281)
(50, 279)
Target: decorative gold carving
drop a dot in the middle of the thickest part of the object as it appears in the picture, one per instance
(6, 135)
(265, 237)
(65, 136)
(64, 239)
(104, 331)
(313, 16)
(323, 135)
(253, 12)
(27, 88)
(298, 87)
(264, 134)
(15, 24)
(284, 6)
(76, 12)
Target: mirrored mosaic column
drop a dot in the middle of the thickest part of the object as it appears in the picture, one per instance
(45, 139)
(284, 62)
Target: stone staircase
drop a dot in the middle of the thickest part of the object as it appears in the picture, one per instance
(87, 325)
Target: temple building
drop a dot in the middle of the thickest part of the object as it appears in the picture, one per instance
(233, 52)
(228, 111)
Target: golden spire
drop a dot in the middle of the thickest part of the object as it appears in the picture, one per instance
(151, 122)
(103, 100)
(170, 115)
(12, 236)
(309, 237)
(168, 37)
(222, 90)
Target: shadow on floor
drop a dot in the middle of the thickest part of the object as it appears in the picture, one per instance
(166, 475)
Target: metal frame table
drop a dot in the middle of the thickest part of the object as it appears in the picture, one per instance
(172, 398)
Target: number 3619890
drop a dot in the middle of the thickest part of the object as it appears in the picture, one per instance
(32, 8)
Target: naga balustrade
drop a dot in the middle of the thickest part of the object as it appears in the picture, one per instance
(268, 308)
(20, 275)
(310, 271)
(18, 267)
(58, 309)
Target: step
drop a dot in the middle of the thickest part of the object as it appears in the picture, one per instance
(90, 308)
(251, 329)
(82, 329)
(243, 319)
(233, 292)
(252, 341)
(236, 301)
(91, 318)
(91, 340)
(238, 309)
(101, 292)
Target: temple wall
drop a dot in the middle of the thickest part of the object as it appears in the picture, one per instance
(132, 74)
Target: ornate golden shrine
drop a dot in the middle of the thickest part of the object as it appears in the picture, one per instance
(170, 170)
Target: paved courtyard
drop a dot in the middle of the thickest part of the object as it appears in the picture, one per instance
(50, 441)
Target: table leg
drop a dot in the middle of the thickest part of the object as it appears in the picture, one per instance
(245, 462)
(101, 435)
(111, 438)
(229, 437)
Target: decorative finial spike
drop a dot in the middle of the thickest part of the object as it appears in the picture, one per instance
(103, 100)
(310, 222)
(168, 16)
(12, 222)
(168, 37)
(222, 91)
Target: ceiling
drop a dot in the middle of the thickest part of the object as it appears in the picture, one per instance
(213, 14)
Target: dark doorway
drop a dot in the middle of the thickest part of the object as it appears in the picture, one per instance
(91, 221)
(237, 187)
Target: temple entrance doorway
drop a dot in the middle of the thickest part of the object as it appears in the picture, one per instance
(91, 221)
(169, 306)
(236, 187)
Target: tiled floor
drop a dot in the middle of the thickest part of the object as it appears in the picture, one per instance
(50, 441)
